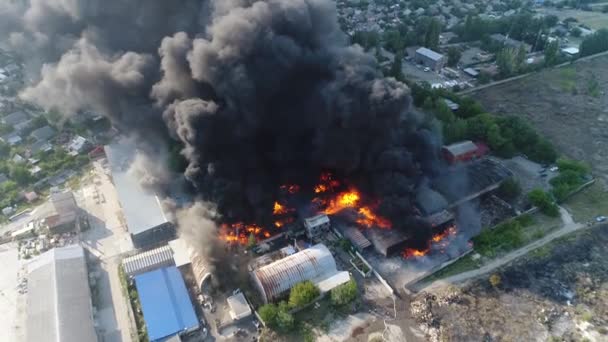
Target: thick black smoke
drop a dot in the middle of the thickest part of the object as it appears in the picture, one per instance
(260, 93)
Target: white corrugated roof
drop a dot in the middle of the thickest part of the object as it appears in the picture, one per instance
(148, 260)
(332, 282)
(429, 53)
(181, 254)
(59, 300)
(461, 147)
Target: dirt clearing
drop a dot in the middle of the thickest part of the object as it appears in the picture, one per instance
(568, 105)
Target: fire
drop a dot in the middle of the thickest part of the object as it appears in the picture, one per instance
(320, 188)
(280, 223)
(440, 236)
(344, 200)
(437, 239)
(238, 233)
(291, 188)
(369, 219)
(279, 209)
(415, 253)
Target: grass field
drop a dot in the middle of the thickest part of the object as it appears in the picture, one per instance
(589, 203)
(595, 20)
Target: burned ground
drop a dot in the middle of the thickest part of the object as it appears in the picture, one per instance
(560, 290)
(568, 105)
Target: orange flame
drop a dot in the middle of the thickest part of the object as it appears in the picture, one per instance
(279, 209)
(291, 188)
(437, 239)
(280, 223)
(414, 253)
(344, 200)
(238, 233)
(369, 219)
(320, 188)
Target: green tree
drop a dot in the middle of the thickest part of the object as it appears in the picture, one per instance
(551, 53)
(302, 294)
(544, 202)
(506, 62)
(5, 150)
(454, 55)
(595, 43)
(520, 58)
(269, 313)
(396, 68)
(344, 293)
(431, 39)
(20, 174)
(284, 320)
(576, 32)
(605, 9)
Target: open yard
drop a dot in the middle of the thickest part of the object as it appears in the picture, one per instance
(596, 20)
(568, 105)
(588, 204)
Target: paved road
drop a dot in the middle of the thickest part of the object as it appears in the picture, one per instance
(106, 240)
(568, 227)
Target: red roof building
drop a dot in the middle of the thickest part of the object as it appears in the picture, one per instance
(464, 151)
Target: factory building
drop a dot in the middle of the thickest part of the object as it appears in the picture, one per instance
(388, 241)
(315, 264)
(165, 303)
(463, 151)
(58, 298)
(60, 214)
(429, 58)
(184, 255)
(316, 225)
(142, 211)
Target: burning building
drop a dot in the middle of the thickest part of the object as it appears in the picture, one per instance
(259, 97)
(316, 225)
(315, 264)
(143, 214)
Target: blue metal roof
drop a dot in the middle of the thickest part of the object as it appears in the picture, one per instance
(165, 303)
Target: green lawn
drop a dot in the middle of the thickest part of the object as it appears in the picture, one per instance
(588, 204)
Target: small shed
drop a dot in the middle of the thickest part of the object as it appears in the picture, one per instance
(239, 308)
(463, 151)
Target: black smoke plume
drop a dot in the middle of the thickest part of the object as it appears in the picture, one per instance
(259, 92)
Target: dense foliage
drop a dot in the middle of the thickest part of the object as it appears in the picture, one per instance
(572, 174)
(302, 294)
(544, 202)
(344, 293)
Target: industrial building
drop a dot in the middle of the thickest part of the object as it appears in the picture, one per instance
(509, 42)
(144, 216)
(388, 241)
(148, 261)
(58, 298)
(315, 264)
(165, 303)
(60, 215)
(239, 307)
(430, 59)
(316, 225)
(184, 255)
(463, 151)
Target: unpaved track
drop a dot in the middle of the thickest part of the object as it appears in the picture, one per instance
(568, 227)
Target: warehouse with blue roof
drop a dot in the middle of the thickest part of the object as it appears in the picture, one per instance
(165, 303)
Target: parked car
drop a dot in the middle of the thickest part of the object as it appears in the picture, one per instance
(554, 169)
(600, 219)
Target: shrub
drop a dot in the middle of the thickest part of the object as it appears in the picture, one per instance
(302, 294)
(344, 293)
(509, 189)
(544, 202)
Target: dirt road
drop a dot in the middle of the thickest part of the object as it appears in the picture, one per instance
(569, 226)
